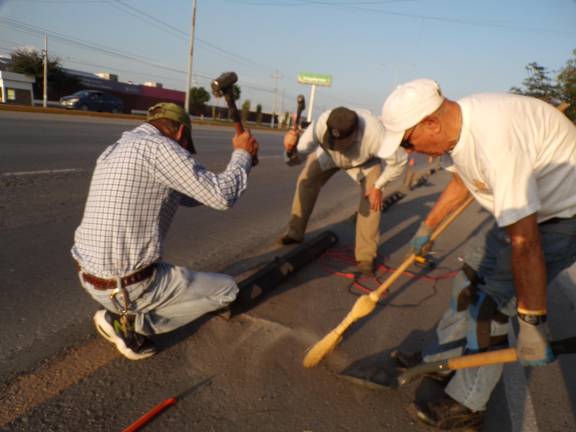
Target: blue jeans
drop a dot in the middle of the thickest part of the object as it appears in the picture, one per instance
(171, 298)
(489, 254)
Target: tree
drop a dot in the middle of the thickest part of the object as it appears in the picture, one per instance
(259, 113)
(538, 84)
(236, 91)
(245, 110)
(30, 62)
(199, 97)
(567, 86)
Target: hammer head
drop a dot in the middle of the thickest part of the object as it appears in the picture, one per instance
(301, 103)
(224, 83)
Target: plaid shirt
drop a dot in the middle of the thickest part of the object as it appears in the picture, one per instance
(136, 188)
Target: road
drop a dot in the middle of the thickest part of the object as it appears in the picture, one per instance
(238, 375)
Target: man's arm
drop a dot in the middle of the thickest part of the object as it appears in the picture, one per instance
(393, 170)
(297, 144)
(529, 269)
(176, 168)
(453, 197)
(528, 265)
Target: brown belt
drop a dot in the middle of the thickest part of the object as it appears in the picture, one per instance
(105, 284)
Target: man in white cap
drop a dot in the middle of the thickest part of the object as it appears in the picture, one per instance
(516, 156)
(350, 140)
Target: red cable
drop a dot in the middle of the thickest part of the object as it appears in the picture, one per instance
(344, 255)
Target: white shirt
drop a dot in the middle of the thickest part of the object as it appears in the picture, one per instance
(136, 188)
(362, 154)
(517, 156)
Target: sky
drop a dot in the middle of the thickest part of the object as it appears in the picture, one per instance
(367, 46)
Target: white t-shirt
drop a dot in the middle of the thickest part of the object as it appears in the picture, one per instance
(367, 147)
(517, 156)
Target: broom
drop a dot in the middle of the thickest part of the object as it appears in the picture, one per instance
(367, 302)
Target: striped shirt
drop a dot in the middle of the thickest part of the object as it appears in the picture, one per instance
(136, 187)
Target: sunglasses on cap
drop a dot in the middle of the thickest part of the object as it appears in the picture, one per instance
(405, 143)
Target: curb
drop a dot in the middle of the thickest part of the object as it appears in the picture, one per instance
(142, 117)
(61, 111)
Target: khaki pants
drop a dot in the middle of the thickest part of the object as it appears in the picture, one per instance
(308, 186)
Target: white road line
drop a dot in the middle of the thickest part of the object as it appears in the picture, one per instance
(25, 173)
(520, 404)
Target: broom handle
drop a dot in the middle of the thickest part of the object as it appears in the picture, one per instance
(377, 293)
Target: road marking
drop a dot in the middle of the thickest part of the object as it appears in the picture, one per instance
(31, 390)
(520, 404)
(25, 173)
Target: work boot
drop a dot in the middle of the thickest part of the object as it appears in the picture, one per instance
(447, 414)
(287, 240)
(131, 345)
(365, 268)
(406, 360)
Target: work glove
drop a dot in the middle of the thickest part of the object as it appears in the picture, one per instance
(533, 347)
(421, 239)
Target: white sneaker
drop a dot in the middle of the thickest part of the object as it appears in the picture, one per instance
(131, 345)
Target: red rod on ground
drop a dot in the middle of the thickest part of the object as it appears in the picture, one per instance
(150, 415)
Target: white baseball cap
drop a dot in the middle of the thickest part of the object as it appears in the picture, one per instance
(406, 106)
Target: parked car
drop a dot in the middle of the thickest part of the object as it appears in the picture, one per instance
(92, 100)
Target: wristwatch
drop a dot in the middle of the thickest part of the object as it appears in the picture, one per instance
(532, 319)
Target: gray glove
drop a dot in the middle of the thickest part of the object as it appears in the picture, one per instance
(533, 345)
(421, 239)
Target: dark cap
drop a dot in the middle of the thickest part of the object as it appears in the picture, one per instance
(340, 127)
(171, 111)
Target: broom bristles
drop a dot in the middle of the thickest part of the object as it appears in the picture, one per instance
(362, 307)
(321, 348)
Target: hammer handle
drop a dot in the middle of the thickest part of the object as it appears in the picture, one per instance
(297, 119)
(235, 115)
(508, 355)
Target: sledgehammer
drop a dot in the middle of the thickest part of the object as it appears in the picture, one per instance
(224, 86)
(300, 105)
(508, 355)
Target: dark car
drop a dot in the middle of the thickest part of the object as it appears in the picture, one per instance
(92, 100)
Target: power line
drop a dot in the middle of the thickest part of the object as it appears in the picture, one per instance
(27, 28)
(175, 31)
(356, 6)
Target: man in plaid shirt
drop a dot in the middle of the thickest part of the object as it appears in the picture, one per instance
(137, 185)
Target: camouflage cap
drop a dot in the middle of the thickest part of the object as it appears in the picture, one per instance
(171, 111)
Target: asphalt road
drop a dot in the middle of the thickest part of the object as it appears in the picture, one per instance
(46, 163)
(56, 374)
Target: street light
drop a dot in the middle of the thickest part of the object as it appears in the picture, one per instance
(189, 81)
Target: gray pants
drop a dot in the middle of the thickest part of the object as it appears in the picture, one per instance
(489, 254)
(171, 298)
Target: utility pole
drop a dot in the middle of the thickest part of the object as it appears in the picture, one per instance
(189, 81)
(45, 55)
(275, 77)
(311, 104)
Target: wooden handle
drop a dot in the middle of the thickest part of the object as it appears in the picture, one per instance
(377, 293)
(507, 355)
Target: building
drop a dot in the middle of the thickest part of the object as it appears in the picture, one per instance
(16, 88)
